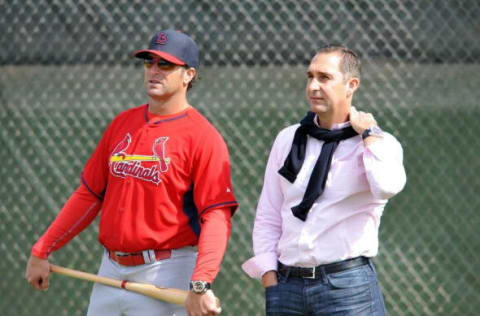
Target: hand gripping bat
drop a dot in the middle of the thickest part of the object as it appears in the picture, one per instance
(169, 295)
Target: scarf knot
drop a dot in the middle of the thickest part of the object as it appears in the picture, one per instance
(294, 161)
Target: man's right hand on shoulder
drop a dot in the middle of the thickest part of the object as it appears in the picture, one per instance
(269, 279)
(38, 273)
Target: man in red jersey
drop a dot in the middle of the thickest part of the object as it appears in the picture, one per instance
(161, 177)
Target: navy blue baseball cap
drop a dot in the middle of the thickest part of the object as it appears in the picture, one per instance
(173, 46)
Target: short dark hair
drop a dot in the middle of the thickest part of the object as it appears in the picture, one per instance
(350, 65)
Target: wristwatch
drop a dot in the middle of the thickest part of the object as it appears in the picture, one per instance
(199, 287)
(372, 131)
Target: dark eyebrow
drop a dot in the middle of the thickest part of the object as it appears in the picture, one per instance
(319, 73)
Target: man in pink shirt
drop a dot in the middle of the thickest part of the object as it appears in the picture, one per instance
(326, 184)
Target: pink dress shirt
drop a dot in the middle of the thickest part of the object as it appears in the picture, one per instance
(343, 223)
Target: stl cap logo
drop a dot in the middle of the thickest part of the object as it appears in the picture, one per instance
(161, 38)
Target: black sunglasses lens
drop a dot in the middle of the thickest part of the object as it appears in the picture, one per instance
(160, 62)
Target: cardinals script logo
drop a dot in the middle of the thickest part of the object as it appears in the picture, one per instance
(143, 167)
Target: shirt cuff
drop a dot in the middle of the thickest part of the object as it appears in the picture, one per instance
(257, 266)
(37, 253)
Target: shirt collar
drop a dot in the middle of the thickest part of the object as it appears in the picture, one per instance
(335, 126)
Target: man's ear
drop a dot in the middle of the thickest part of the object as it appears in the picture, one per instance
(188, 75)
(352, 86)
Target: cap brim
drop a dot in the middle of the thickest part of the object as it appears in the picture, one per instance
(144, 53)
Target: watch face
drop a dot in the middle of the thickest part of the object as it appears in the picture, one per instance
(198, 286)
(375, 130)
(372, 131)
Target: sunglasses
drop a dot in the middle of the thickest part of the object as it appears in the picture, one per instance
(161, 63)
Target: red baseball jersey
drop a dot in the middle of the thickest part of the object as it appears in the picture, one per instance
(156, 176)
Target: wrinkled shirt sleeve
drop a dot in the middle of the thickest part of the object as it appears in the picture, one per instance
(268, 221)
(384, 168)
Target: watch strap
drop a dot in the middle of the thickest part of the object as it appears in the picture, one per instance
(372, 131)
(366, 133)
(199, 286)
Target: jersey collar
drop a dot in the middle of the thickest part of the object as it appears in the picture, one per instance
(156, 120)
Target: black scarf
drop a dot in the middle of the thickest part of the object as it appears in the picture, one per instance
(295, 159)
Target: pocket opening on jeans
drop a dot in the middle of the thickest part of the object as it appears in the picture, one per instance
(351, 278)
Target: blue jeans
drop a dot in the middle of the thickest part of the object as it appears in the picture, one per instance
(354, 292)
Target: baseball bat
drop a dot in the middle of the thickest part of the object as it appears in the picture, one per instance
(169, 295)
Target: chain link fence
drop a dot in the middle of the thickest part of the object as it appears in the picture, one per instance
(66, 69)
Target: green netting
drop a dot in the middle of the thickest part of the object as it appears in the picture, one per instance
(66, 69)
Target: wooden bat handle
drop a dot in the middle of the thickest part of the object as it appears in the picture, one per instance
(85, 276)
(170, 295)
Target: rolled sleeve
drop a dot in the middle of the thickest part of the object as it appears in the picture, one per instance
(257, 266)
(383, 162)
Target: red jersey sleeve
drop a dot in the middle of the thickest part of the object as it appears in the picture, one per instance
(216, 227)
(95, 173)
(77, 213)
(211, 174)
